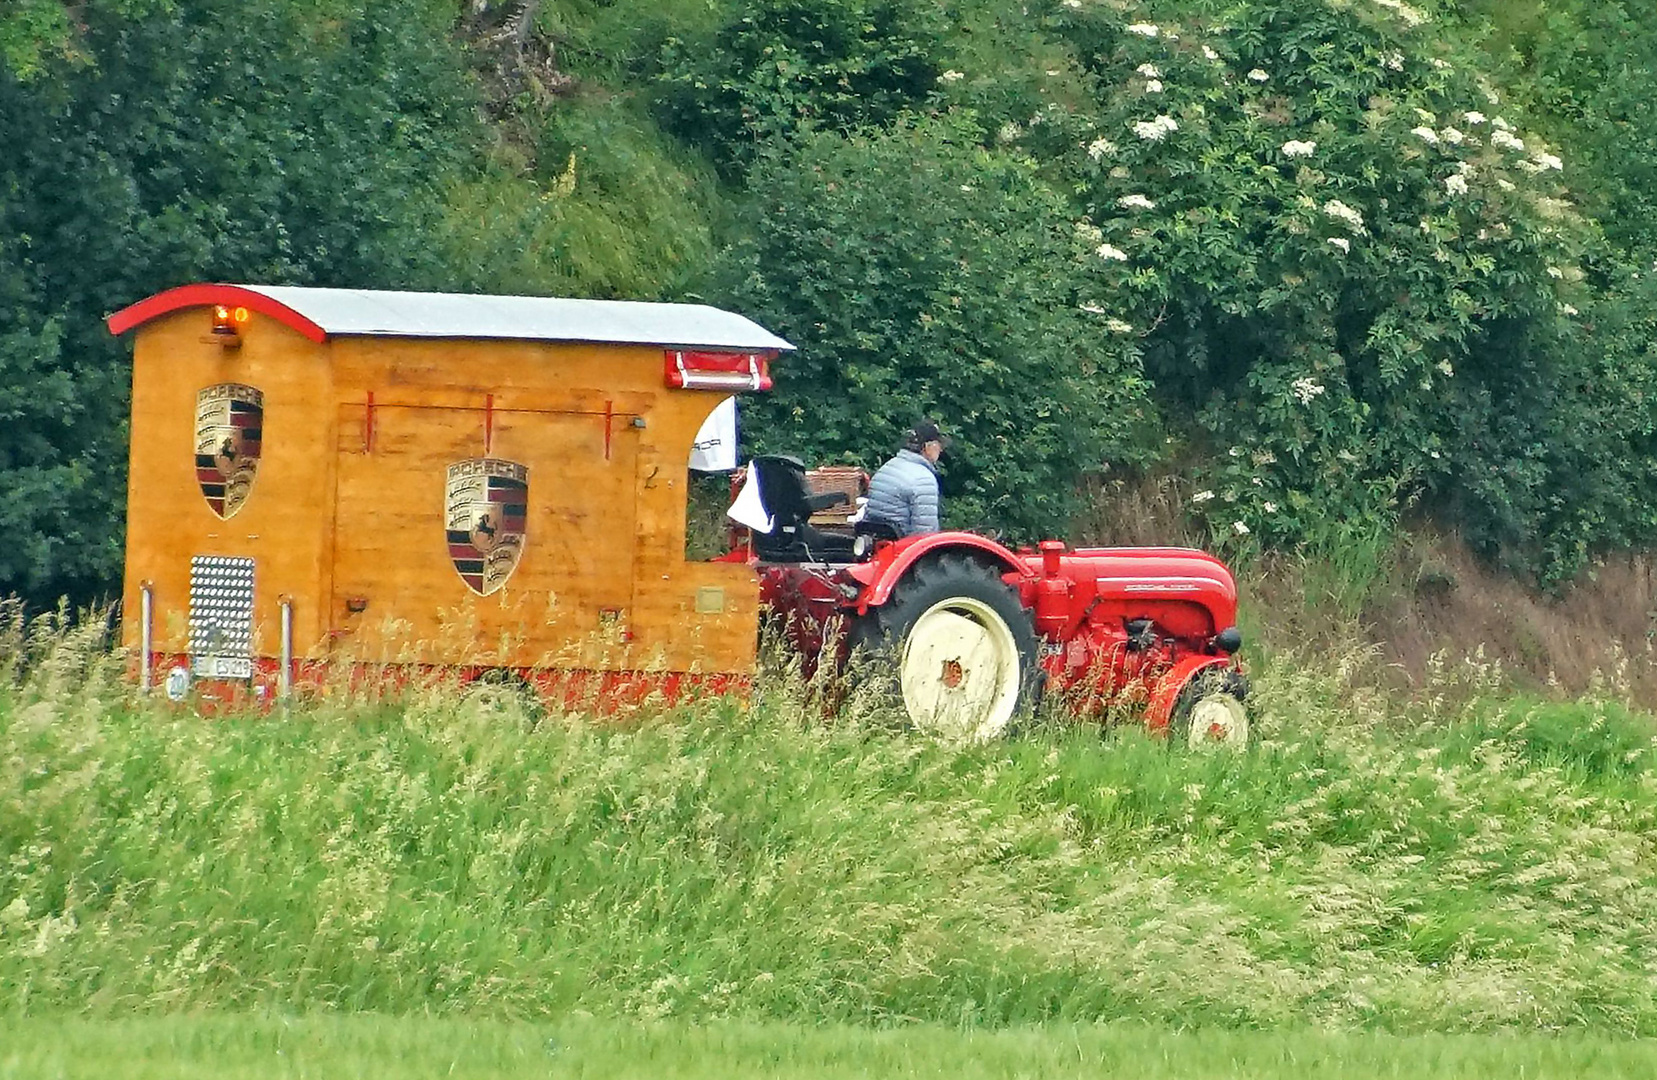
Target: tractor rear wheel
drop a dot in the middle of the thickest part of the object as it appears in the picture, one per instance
(963, 645)
(1210, 714)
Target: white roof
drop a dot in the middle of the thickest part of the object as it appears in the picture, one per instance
(368, 312)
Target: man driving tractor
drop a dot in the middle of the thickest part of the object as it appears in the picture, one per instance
(904, 493)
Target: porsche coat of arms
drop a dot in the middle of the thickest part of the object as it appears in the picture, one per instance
(484, 505)
(230, 420)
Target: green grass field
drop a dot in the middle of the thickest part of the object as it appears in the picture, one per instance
(1461, 883)
(385, 1048)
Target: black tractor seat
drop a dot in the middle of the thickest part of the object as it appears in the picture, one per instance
(788, 499)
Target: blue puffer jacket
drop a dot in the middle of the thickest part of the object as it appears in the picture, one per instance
(904, 493)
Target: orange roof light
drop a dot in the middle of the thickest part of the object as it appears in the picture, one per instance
(230, 321)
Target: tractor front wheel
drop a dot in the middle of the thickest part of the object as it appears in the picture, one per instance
(1210, 714)
(963, 645)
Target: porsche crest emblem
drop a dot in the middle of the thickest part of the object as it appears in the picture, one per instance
(484, 505)
(230, 420)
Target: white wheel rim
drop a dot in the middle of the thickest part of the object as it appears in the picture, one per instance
(960, 670)
(1218, 720)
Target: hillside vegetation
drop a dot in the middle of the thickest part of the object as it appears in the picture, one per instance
(1458, 864)
(1343, 264)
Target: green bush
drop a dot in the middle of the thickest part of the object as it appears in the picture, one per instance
(1358, 278)
(779, 65)
(922, 274)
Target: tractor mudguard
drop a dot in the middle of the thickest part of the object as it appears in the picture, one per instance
(1159, 710)
(881, 574)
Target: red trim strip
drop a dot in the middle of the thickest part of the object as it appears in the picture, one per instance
(189, 296)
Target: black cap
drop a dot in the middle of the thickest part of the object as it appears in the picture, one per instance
(924, 432)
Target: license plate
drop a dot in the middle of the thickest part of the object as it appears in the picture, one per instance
(222, 667)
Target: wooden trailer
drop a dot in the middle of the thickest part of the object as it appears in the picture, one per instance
(332, 476)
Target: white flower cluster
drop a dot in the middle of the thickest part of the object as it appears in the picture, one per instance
(1448, 369)
(1506, 140)
(1410, 16)
(1135, 202)
(1393, 61)
(1144, 29)
(1093, 309)
(1156, 130)
(951, 76)
(1452, 136)
(1098, 148)
(1209, 53)
(1072, 3)
(1009, 132)
(1341, 242)
(1343, 213)
(1257, 75)
(1153, 86)
(1456, 184)
(1239, 528)
(1295, 148)
(1548, 161)
(1473, 118)
(1306, 388)
(1117, 326)
(1426, 135)
(1202, 496)
(1111, 253)
(1089, 232)
(1555, 272)
(1150, 71)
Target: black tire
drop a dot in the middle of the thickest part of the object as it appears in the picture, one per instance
(972, 695)
(1218, 693)
(505, 691)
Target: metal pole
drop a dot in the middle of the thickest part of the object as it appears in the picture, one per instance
(146, 643)
(284, 681)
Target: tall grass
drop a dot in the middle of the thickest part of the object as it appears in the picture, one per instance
(1457, 863)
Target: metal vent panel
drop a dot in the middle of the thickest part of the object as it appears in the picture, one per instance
(221, 616)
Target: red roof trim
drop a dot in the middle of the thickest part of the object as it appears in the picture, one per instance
(188, 296)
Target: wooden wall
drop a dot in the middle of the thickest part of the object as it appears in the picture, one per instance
(281, 525)
(347, 510)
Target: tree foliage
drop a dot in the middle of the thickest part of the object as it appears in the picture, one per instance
(1345, 260)
(163, 143)
(778, 65)
(923, 274)
(1359, 277)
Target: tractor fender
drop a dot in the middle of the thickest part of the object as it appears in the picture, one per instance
(1159, 711)
(880, 575)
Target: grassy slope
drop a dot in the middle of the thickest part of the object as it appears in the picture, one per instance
(1440, 868)
(376, 1047)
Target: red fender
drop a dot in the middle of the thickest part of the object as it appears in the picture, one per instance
(880, 575)
(1159, 712)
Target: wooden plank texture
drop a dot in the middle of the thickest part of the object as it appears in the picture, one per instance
(348, 508)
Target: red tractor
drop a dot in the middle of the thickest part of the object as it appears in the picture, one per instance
(978, 632)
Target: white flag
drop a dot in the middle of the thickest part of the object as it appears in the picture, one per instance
(715, 447)
(749, 508)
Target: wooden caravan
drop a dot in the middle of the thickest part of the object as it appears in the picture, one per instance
(332, 475)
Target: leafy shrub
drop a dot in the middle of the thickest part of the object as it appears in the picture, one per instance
(779, 65)
(1353, 272)
(920, 273)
